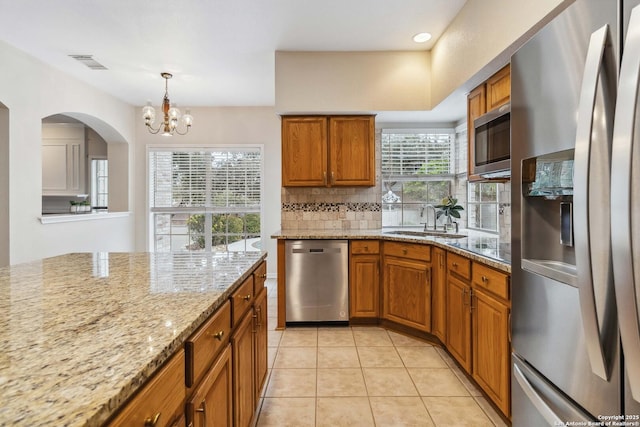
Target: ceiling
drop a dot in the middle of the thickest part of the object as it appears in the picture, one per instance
(221, 53)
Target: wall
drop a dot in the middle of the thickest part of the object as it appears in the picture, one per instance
(337, 208)
(352, 81)
(482, 38)
(220, 126)
(4, 186)
(31, 91)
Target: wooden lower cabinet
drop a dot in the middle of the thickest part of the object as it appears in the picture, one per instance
(491, 350)
(439, 294)
(364, 280)
(459, 321)
(243, 372)
(160, 402)
(260, 341)
(211, 404)
(407, 292)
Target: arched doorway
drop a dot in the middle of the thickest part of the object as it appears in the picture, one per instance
(84, 165)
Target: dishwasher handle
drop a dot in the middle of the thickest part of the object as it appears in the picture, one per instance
(316, 250)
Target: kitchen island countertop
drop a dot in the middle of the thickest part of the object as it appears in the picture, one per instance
(81, 332)
(478, 246)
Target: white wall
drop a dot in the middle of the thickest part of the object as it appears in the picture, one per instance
(31, 91)
(220, 126)
(481, 39)
(352, 81)
(4, 186)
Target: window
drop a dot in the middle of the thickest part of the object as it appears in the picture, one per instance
(417, 170)
(482, 206)
(205, 200)
(99, 183)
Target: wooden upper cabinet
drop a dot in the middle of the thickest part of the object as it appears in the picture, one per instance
(304, 151)
(352, 151)
(499, 88)
(476, 106)
(493, 93)
(328, 151)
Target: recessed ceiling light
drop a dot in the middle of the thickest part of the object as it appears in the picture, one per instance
(422, 37)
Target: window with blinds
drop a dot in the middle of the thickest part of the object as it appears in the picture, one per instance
(205, 200)
(417, 170)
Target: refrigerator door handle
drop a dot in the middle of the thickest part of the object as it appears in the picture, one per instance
(592, 221)
(547, 413)
(623, 195)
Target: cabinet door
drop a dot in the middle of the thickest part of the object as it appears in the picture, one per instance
(304, 151)
(352, 151)
(476, 106)
(260, 343)
(364, 284)
(211, 403)
(243, 372)
(439, 294)
(491, 348)
(499, 88)
(459, 321)
(407, 293)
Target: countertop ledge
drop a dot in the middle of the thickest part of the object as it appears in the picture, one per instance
(82, 332)
(477, 246)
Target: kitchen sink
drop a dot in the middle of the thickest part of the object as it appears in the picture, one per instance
(431, 233)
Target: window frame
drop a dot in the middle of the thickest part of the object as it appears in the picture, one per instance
(495, 203)
(448, 178)
(210, 210)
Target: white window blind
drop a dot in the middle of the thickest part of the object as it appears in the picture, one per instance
(205, 199)
(417, 154)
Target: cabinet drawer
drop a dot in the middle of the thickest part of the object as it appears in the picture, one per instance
(459, 265)
(241, 300)
(408, 250)
(203, 346)
(259, 277)
(365, 247)
(492, 280)
(163, 397)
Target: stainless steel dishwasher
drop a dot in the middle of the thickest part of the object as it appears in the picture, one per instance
(317, 280)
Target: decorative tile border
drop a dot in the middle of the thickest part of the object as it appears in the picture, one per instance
(331, 207)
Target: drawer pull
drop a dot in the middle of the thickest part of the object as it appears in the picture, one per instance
(201, 409)
(404, 251)
(247, 297)
(485, 279)
(366, 248)
(455, 264)
(262, 276)
(218, 335)
(152, 422)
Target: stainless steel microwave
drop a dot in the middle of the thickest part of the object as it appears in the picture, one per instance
(492, 143)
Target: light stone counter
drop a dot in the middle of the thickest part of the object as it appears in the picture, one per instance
(79, 333)
(482, 247)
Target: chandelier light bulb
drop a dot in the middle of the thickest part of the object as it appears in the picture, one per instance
(171, 115)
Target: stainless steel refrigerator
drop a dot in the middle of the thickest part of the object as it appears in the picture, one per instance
(575, 158)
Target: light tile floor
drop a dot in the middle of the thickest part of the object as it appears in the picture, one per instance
(364, 376)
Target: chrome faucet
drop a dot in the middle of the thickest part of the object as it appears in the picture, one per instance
(426, 223)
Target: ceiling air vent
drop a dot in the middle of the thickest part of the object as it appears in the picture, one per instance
(89, 62)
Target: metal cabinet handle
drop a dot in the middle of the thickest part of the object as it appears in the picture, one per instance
(591, 236)
(333, 178)
(626, 285)
(218, 335)
(324, 177)
(202, 410)
(471, 296)
(454, 264)
(509, 326)
(152, 422)
(464, 297)
(247, 297)
(484, 279)
(262, 276)
(404, 251)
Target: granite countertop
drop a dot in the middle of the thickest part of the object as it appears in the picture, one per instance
(81, 332)
(478, 246)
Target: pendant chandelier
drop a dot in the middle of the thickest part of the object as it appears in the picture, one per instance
(170, 115)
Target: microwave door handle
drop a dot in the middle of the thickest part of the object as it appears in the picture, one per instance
(591, 232)
(622, 227)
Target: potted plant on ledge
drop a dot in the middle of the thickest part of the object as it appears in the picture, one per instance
(449, 207)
